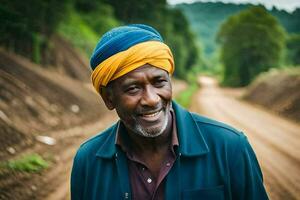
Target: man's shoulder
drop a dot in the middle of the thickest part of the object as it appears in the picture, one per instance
(217, 130)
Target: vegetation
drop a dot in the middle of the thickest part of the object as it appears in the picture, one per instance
(85, 23)
(27, 163)
(252, 42)
(27, 25)
(26, 28)
(207, 17)
(293, 49)
(171, 23)
(184, 98)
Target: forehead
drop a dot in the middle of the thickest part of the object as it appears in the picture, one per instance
(144, 72)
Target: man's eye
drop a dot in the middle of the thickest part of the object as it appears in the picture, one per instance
(132, 90)
(160, 82)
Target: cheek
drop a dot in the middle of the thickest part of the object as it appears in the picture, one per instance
(166, 94)
(126, 105)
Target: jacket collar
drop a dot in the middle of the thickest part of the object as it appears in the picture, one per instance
(191, 140)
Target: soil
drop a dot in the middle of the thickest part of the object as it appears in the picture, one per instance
(279, 91)
(41, 101)
(274, 139)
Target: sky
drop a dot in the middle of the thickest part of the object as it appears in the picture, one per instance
(288, 5)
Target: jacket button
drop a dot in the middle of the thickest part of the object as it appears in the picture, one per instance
(126, 195)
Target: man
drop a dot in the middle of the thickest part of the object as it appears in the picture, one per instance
(157, 150)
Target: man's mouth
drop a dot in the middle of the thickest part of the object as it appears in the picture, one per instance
(151, 116)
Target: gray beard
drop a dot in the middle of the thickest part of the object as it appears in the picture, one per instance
(148, 133)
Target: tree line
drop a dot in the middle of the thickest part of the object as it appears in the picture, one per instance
(27, 26)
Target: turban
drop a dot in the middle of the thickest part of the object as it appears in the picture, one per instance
(126, 48)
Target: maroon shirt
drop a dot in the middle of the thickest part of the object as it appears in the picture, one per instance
(143, 183)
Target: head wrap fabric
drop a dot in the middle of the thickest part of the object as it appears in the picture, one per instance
(126, 48)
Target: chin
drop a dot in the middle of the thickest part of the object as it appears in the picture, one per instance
(151, 132)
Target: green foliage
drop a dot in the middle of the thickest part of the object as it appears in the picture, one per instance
(293, 49)
(28, 163)
(23, 21)
(171, 23)
(184, 98)
(138, 11)
(86, 21)
(183, 43)
(98, 15)
(252, 42)
(206, 18)
(76, 31)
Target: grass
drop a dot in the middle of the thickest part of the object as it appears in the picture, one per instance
(184, 98)
(27, 163)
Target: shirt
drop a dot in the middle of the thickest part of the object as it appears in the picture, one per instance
(143, 183)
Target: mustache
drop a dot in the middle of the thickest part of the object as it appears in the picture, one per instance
(152, 109)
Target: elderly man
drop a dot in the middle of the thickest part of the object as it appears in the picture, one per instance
(157, 150)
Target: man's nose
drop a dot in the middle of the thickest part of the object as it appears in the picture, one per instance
(150, 97)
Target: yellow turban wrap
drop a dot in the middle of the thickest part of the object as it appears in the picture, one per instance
(154, 53)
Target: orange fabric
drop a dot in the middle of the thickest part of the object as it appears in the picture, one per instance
(155, 53)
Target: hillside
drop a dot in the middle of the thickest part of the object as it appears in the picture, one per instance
(35, 99)
(206, 18)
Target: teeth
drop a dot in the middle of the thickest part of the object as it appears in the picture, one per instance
(151, 115)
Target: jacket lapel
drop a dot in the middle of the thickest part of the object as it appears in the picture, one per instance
(191, 141)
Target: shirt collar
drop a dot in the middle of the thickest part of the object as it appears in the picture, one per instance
(189, 137)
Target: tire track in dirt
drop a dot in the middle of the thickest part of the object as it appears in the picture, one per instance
(274, 139)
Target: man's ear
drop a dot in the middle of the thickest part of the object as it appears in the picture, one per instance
(107, 97)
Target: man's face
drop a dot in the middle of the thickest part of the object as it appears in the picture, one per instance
(142, 99)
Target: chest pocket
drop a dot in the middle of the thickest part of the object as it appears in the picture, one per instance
(215, 193)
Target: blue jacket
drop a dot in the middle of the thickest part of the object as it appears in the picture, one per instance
(214, 161)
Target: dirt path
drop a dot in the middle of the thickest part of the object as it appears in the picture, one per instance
(274, 139)
(58, 178)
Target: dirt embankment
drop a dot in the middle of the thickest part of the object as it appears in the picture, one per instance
(44, 100)
(279, 91)
(35, 100)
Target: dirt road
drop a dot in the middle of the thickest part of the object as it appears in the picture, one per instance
(275, 140)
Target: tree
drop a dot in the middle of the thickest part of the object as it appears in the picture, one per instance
(252, 41)
(293, 49)
(26, 25)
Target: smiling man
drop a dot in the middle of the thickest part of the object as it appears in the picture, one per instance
(157, 150)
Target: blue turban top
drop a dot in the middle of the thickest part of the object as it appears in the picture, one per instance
(120, 39)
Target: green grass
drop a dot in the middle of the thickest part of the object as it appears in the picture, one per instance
(184, 98)
(27, 163)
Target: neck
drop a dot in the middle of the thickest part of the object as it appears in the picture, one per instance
(142, 145)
